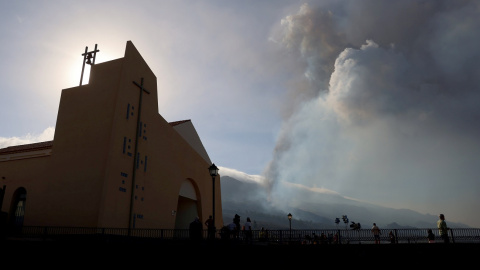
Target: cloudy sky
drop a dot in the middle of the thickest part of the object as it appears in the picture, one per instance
(374, 100)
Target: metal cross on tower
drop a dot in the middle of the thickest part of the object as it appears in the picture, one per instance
(142, 89)
(87, 56)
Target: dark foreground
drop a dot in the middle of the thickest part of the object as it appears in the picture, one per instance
(123, 251)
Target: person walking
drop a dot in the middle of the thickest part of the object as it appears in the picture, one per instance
(443, 228)
(376, 233)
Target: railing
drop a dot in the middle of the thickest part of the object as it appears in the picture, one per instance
(402, 236)
(331, 236)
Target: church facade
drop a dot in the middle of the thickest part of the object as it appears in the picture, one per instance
(114, 162)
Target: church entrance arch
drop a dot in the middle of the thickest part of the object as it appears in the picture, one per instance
(188, 206)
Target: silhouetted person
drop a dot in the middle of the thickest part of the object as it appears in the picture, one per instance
(443, 229)
(232, 229)
(236, 220)
(336, 238)
(210, 227)
(196, 229)
(376, 233)
(316, 239)
(323, 238)
(247, 229)
(430, 236)
(262, 235)
(391, 236)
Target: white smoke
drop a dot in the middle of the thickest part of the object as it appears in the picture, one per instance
(223, 171)
(391, 109)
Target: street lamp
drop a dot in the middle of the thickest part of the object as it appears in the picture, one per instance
(290, 220)
(213, 172)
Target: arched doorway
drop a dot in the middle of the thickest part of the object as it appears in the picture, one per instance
(17, 208)
(188, 206)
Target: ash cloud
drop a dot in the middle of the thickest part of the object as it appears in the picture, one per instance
(386, 109)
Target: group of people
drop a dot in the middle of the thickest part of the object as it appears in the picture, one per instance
(316, 239)
(196, 229)
(233, 230)
(376, 235)
(442, 231)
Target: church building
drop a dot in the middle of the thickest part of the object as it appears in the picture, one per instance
(114, 162)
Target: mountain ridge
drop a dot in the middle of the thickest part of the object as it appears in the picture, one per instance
(314, 210)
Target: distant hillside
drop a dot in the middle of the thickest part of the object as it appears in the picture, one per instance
(249, 199)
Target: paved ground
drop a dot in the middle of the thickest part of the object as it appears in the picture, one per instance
(157, 255)
(226, 249)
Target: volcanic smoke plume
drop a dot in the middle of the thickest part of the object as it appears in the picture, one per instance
(386, 107)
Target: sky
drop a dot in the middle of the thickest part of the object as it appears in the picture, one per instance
(373, 100)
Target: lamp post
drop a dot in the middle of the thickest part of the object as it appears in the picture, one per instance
(213, 172)
(290, 221)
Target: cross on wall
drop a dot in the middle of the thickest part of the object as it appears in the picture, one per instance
(142, 89)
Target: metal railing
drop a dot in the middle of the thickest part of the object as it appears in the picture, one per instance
(331, 236)
(402, 236)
